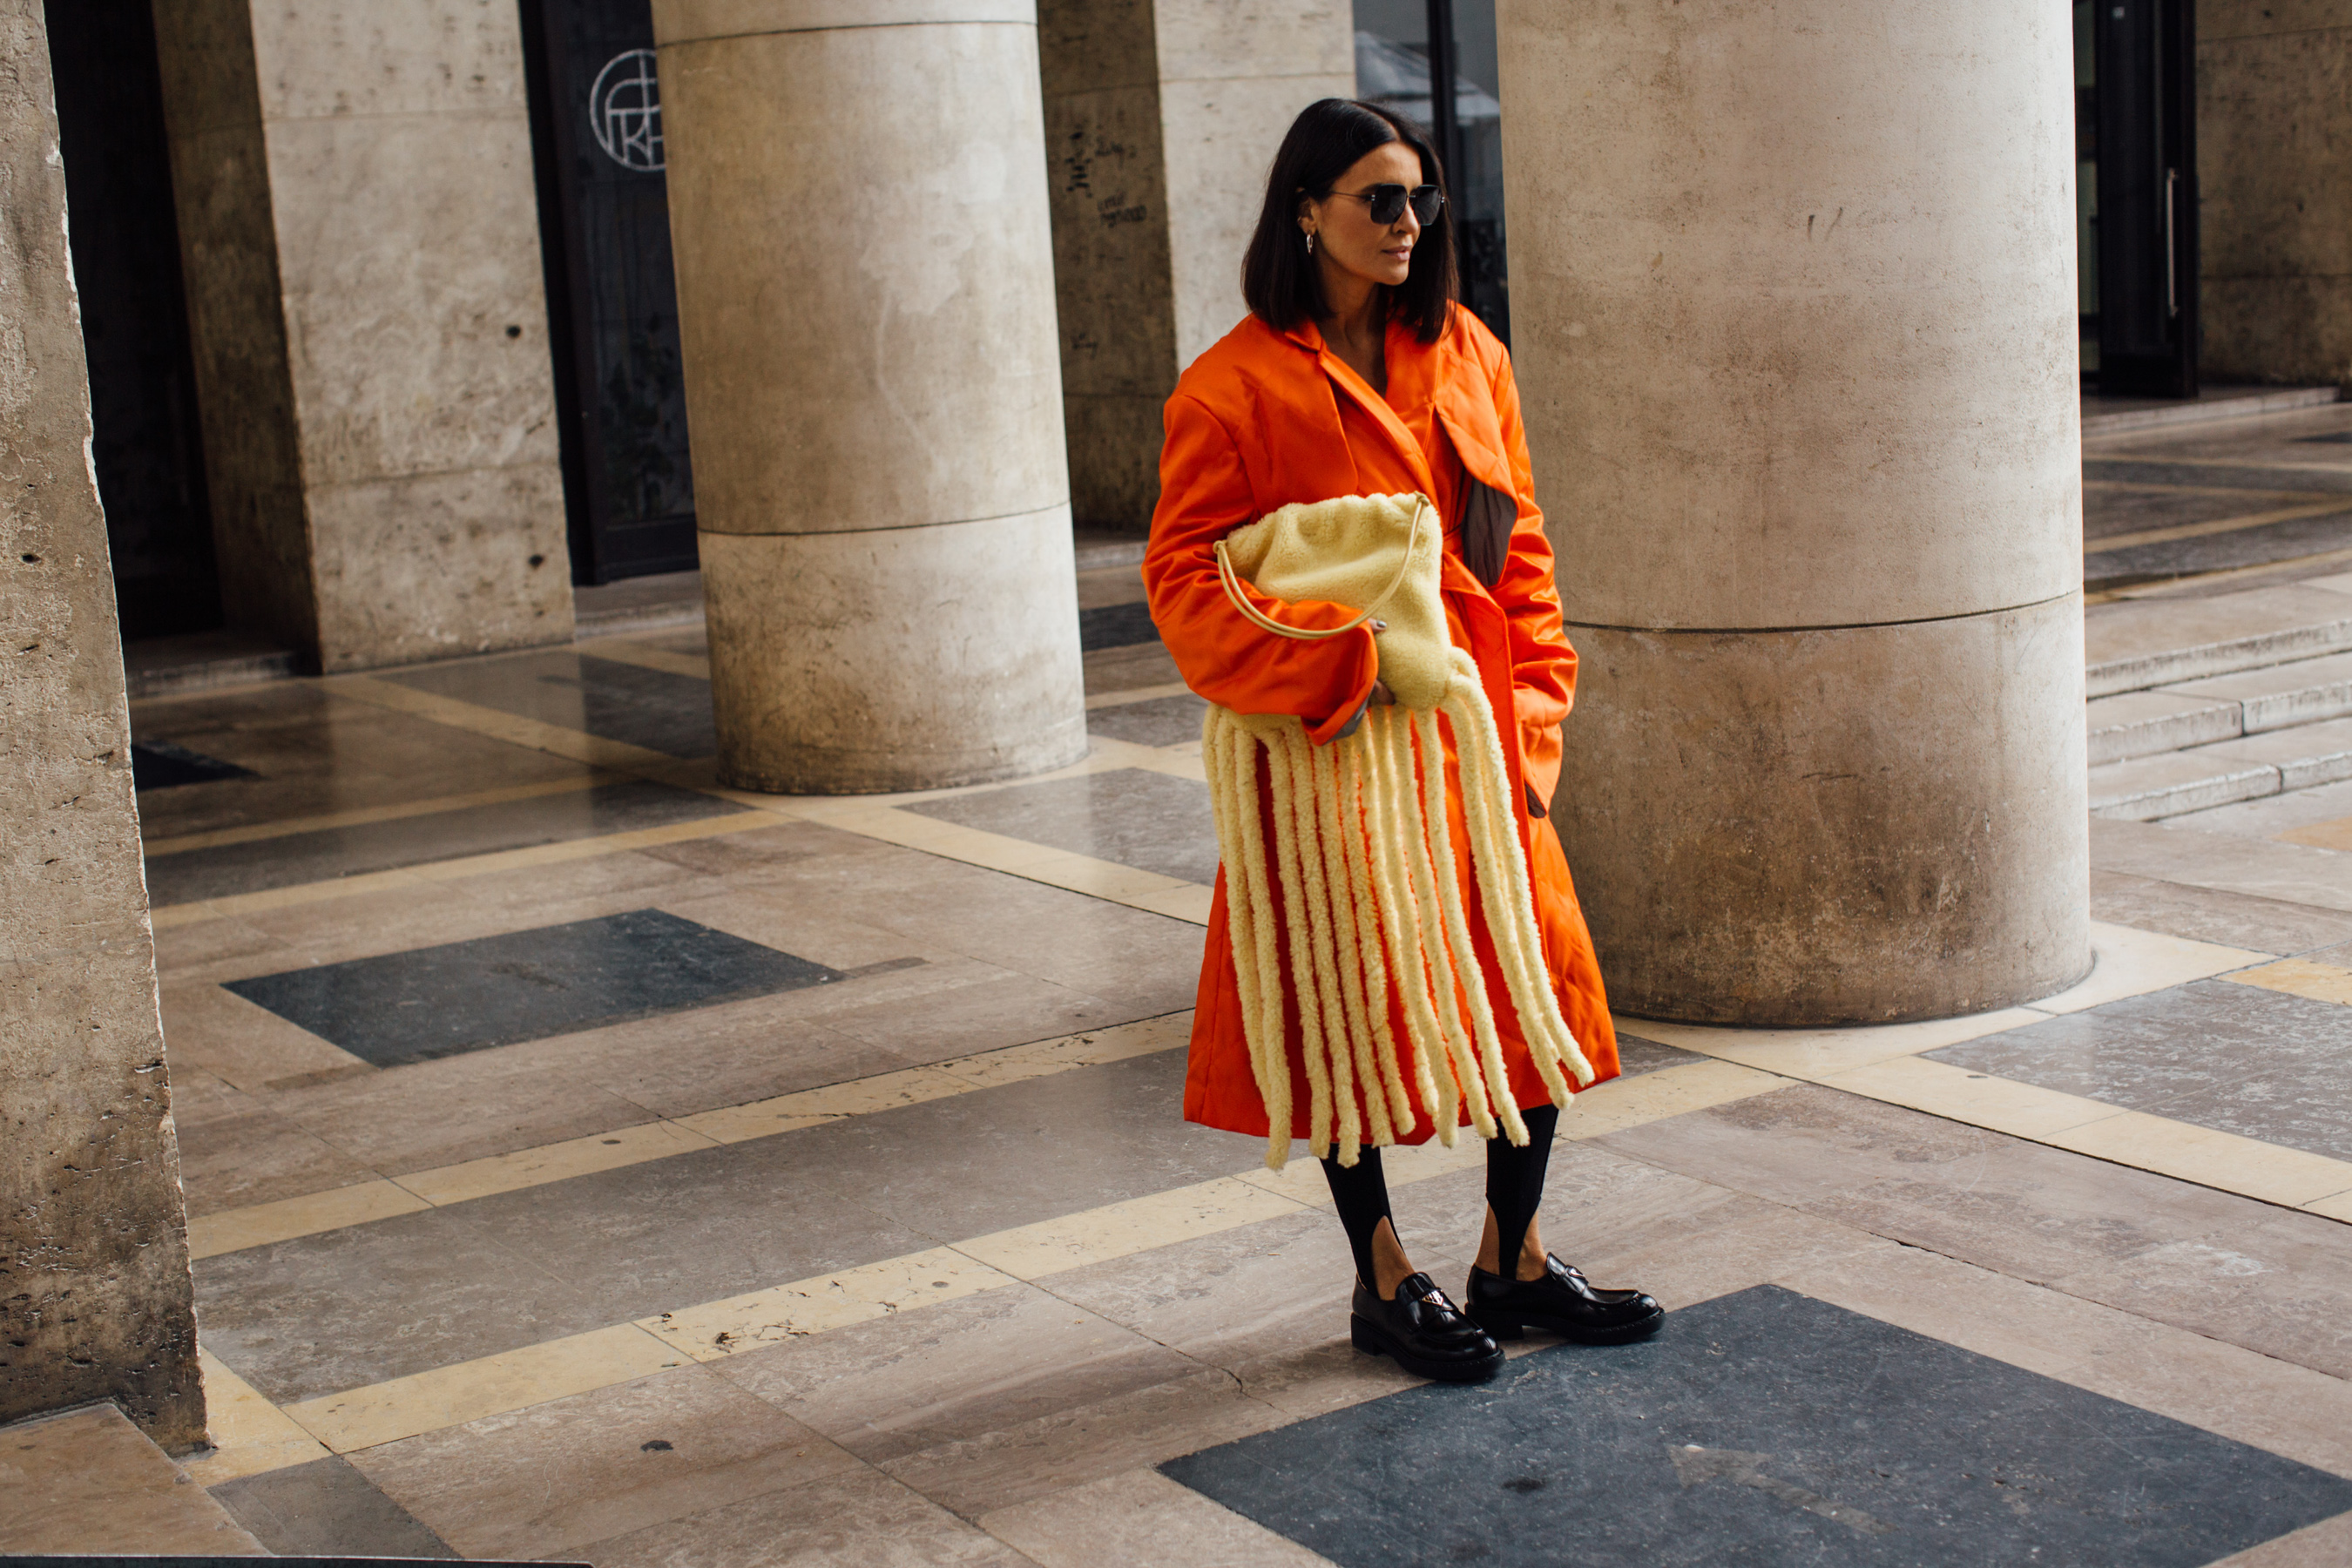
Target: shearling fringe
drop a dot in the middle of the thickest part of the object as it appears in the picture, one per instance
(1371, 899)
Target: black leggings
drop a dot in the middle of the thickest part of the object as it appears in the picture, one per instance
(1515, 1182)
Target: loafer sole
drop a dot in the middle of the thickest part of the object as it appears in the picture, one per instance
(1500, 1326)
(1371, 1339)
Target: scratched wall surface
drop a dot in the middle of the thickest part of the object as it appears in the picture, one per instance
(1161, 118)
(2274, 178)
(95, 1297)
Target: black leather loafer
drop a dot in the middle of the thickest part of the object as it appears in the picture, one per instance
(1428, 1335)
(1562, 1302)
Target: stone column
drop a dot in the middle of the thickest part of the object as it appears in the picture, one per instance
(857, 206)
(1792, 289)
(95, 1297)
(2274, 171)
(1162, 116)
(359, 228)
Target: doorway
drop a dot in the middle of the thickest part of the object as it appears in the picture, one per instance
(1434, 62)
(2136, 168)
(125, 241)
(612, 292)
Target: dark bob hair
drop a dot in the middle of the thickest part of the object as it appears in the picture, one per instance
(1280, 278)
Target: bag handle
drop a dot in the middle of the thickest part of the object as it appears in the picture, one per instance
(1265, 622)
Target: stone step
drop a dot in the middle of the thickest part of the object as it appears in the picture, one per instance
(2111, 416)
(2142, 789)
(2199, 712)
(2136, 645)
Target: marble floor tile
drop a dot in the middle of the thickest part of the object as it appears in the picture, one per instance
(2202, 914)
(161, 765)
(326, 1509)
(1141, 1516)
(349, 1308)
(546, 1481)
(776, 918)
(1125, 669)
(88, 1481)
(235, 1152)
(648, 708)
(2019, 1208)
(2274, 815)
(326, 854)
(2290, 873)
(1158, 722)
(892, 1386)
(975, 1475)
(1128, 816)
(207, 1027)
(215, 949)
(312, 753)
(457, 1107)
(2272, 1405)
(522, 986)
(1008, 1011)
(366, 925)
(1763, 1426)
(863, 1520)
(2263, 1064)
(1116, 625)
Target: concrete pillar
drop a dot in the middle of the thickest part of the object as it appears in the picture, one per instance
(359, 230)
(2275, 169)
(857, 206)
(95, 1297)
(1793, 293)
(1161, 118)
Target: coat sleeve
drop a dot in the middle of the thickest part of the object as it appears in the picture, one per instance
(1206, 494)
(1543, 665)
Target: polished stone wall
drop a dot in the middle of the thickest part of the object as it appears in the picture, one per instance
(1161, 118)
(2275, 173)
(361, 241)
(95, 1295)
(1791, 303)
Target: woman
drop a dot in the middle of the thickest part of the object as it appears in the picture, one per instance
(1355, 373)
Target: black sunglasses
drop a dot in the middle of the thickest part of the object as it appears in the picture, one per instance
(1387, 202)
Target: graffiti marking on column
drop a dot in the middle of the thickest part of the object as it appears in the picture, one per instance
(624, 111)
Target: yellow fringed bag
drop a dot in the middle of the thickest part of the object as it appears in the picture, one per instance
(1361, 854)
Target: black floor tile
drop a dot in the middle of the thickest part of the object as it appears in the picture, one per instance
(1116, 625)
(602, 696)
(2238, 1059)
(1161, 722)
(159, 765)
(1154, 822)
(1763, 1427)
(318, 857)
(327, 1508)
(525, 985)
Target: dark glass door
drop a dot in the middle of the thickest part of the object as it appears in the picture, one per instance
(2141, 95)
(126, 254)
(1433, 61)
(604, 203)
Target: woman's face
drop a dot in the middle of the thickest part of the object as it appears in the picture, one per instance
(1347, 239)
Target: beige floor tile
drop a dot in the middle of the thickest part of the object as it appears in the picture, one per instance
(2129, 963)
(962, 1369)
(2301, 978)
(1140, 1517)
(1012, 1063)
(716, 1330)
(491, 1385)
(805, 1108)
(553, 1162)
(786, 919)
(89, 1481)
(2270, 1172)
(364, 925)
(1122, 1230)
(249, 1434)
(860, 1519)
(2337, 1207)
(215, 948)
(546, 1481)
(1070, 1447)
(241, 1042)
(258, 1224)
(1980, 1099)
(1808, 1053)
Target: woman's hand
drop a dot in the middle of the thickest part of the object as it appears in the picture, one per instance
(1381, 696)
